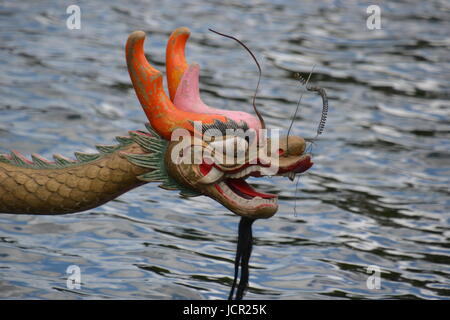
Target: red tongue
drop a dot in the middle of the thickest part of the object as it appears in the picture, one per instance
(243, 187)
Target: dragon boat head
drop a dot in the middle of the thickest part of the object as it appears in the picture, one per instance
(201, 150)
(214, 175)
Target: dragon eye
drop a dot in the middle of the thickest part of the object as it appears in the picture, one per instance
(233, 144)
(236, 145)
(231, 150)
(241, 145)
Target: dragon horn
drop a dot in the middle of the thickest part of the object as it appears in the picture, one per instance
(164, 117)
(176, 63)
(182, 80)
(188, 99)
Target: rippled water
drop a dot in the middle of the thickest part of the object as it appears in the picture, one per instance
(377, 195)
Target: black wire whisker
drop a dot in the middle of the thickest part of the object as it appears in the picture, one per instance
(305, 83)
(263, 125)
(320, 91)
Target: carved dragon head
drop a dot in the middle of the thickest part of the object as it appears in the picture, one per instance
(201, 150)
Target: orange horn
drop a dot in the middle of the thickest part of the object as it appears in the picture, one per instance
(176, 63)
(164, 117)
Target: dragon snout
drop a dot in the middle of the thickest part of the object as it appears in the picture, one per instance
(292, 146)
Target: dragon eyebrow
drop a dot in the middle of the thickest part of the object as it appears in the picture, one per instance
(323, 119)
(263, 125)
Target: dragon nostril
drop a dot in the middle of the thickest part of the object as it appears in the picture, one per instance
(205, 168)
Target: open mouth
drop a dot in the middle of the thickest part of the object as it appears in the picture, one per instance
(234, 187)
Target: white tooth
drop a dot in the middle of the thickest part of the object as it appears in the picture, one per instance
(257, 200)
(227, 190)
(266, 171)
(237, 175)
(213, 175)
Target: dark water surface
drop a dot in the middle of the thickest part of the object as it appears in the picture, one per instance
(378, 193)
